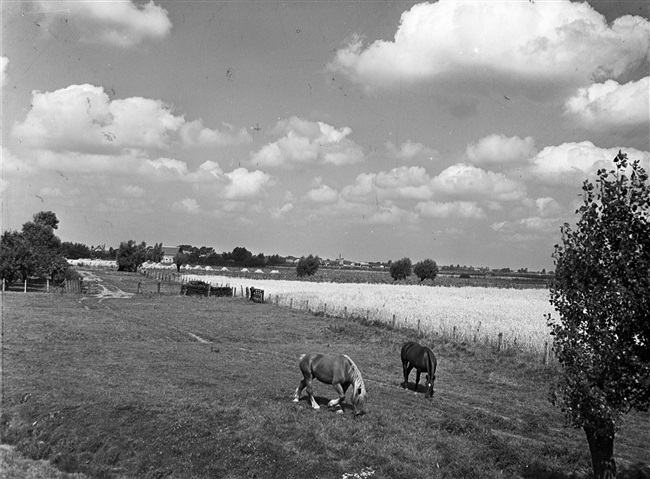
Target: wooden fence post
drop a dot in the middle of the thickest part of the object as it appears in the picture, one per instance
(393, 324)
(158, 287)
(345, 312)
(3, 285)
(499, 341)
(545, 360)
(418, 327)
(453, 334)
(209, 287)
(139, 285)
(291, 303)
(25, 286)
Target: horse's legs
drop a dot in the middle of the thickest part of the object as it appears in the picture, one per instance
(417, 378)
(341, 390)
(310, 392)
(296, 396)
(407, 370)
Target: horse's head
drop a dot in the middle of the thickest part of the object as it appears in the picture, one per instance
(359, 400)
(429, 386)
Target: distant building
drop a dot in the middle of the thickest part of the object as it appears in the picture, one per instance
(168, 253)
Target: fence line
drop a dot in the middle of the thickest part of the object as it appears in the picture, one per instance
(494, 339)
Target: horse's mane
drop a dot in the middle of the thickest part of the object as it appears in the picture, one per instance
(357, 383)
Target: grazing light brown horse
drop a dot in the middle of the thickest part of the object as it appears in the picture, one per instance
(422, 359)
(339, 371)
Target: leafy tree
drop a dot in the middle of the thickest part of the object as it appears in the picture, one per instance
(130, 255)
(15, 257)
(45, 247)
(426, 269)
(47, 218)
(241, 255)
(307, 266)
(275, 260)
(34, 251)
(600, 290)
(400, 269)
(75, 250)
(154, 253)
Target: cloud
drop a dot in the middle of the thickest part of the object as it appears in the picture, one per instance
(305, 143)
(243, 184)
(323, 194)
(406, 182)
(466, 181)
(494, 150)
(123, 24)
(455, 209)
(133, 191)
(557, 41)
(83, 118)
(606, 105)
(410, 150)
(4, 66)
(187, 205)
(194, 133)
(572, 163)
(278, 213)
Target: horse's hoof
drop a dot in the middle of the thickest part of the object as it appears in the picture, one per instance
(316, 407)
(296, 400)
(340, 411)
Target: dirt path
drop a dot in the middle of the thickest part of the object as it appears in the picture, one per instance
(106, 291)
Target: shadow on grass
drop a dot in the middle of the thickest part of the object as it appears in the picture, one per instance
(322, 401)
(421, 388)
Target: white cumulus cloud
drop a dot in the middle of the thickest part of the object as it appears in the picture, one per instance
(4, 65)
(123, 24)
(454, 209)
(323, 194)
(603, 105)
(466, 181)
(555, 41)
(572, 163)
(83, 118)
(500, 150)
(306, 143)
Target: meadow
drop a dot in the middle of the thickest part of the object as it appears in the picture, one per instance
(162, 385)
(470, 313)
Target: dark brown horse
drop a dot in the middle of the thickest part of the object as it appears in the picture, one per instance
(422, 359)
(339, 371)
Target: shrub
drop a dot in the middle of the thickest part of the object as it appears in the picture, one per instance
(400, 269)
(426, 269)
(307, 266)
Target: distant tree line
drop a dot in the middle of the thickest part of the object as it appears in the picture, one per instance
(240, 256)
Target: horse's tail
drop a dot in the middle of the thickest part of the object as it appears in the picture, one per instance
(359, 393)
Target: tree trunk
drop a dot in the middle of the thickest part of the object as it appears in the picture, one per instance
(601, 447)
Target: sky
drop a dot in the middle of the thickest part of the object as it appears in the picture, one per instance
(459, 131)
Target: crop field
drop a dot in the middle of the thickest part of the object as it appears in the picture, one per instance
(146, 385)
(473, 314)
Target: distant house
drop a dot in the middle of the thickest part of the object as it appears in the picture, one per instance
(291, 259)
(168, 253)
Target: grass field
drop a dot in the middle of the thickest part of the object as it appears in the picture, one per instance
(167, 386)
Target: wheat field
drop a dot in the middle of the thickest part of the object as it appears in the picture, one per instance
(468, 313)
